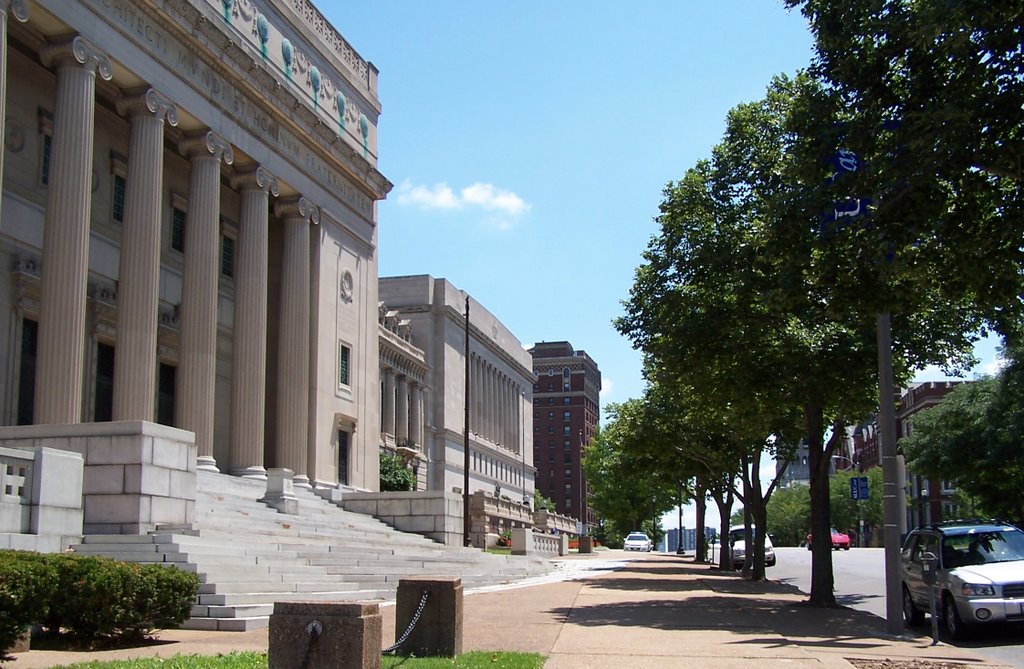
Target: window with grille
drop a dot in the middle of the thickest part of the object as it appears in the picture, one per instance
(178, 229)
(227, 256)
(344, 362)
(117, 199)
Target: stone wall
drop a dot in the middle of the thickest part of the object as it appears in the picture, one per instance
(137, 475)
(432, 513)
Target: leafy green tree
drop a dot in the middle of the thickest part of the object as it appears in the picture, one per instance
(932, 94)
(973, 438)
(625, 490)
(739, 299)
(846, 513)
(789, 515)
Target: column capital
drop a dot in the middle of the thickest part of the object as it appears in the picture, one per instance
(147, 101)
(298, 208)
(254, 177)
(19, 8)
(80, 51)
(206, 141)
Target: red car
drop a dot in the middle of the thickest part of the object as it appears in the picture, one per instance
(839, 540)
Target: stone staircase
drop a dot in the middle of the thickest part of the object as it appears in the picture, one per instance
(248, 555)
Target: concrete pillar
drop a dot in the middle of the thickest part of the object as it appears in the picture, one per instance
(293, 340)
(248, 380)
(61, 352)
(138, 284)
(20, 10)
(402, 411)
(325, 635)
(439, 630)
(197, 371)
(388, 408)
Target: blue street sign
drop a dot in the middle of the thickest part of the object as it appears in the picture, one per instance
(859, 487)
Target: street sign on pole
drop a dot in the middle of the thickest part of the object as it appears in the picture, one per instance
(862, 487)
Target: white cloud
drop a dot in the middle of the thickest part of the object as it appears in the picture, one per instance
(438, 197)
(477, 195)
(607, 386)
(994, 367)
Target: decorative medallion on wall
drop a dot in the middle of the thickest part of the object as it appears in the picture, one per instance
(287, 54)
(263, 32)
(14, 136)
(346, 286)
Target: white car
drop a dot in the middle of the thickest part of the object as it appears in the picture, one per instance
(638, 541)
(739, 548)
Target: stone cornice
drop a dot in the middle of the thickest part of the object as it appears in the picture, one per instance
(281, 101)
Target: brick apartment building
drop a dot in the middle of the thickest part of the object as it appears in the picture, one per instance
(566, 409)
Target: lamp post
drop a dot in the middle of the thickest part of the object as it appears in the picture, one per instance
(465, 444)
(679, 537)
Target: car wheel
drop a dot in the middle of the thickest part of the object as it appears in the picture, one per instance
(846, 548)
(911, 614)
(954, 625)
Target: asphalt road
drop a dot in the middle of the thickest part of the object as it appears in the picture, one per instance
(859, 576)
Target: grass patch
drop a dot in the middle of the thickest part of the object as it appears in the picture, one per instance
(499, 550)
(474, 660)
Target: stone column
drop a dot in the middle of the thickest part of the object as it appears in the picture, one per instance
(416, 415)
(293, 338)
(138, 283)
(197, 371)
(20, 10)
(61, 351)
(402, 411)
(248, 376)
(388, 408)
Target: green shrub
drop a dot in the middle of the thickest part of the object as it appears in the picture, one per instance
(26, 587)
(90, 599)
(393, 476)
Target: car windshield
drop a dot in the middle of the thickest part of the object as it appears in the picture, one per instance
(637, 537)
(961, 550)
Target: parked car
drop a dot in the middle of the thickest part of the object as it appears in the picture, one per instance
(638, 541)
(738, 551)
(979, 574)
(840, 540)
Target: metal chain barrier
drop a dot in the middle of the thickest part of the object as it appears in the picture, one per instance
(412, 624)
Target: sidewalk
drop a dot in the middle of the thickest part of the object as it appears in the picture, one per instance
(655, 611)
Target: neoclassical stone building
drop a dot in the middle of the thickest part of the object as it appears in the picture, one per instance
(188, 229)
(501, 389)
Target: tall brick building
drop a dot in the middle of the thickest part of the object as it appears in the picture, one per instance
(566, 409)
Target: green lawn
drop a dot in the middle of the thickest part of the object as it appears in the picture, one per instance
(476, 660)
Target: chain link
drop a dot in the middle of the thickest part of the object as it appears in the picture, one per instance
(412, 623)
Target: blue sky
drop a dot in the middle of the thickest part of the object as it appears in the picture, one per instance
(529, 143)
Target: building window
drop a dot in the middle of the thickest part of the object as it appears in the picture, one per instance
(567, 444)
(568, 489)
(117, 199)
(568, 458)
(551, 457)
(566, 416)
(568, 472)
(179, 214)
(565, 387)
(551, 429)
(227, 256)
(565, 372)
(566, 429)
(566, 400)
(948, 487)
(551, 443)
(551, 372)
(46, 143)
(344, 362)
(551, 414)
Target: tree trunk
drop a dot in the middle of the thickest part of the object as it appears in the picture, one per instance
(723, 500)
(821, 536)
(702, 509)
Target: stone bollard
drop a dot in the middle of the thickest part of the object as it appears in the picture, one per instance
(318, 635)
(586, 545)
(281, 491)
(438, 632)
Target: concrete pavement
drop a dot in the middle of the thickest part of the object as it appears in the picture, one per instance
(627, 610)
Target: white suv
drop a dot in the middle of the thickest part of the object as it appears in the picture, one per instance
(739, 548)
